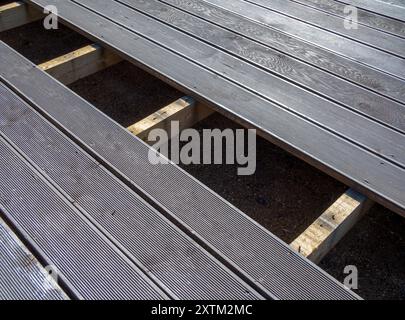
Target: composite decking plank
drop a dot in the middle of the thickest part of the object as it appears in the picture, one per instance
(377, 138)
(386, 24)
(393, 9)
(335, 25)
(348, 48)
(22, 277)
(224, 230)
(155, 245)
(57, 230)
(286, 45)
(322, 83)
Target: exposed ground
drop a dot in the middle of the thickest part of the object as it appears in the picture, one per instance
(285, 195)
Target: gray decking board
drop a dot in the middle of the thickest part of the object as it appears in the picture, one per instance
(22, 277)
(163, 252)
(335, 25)
(377, 138)
(63, 238)
(340, 45)
(241, 243)
(286, 45)
(371, 19)
(370, 174)
(394, 9)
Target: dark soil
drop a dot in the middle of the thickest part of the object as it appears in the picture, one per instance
(126, 94)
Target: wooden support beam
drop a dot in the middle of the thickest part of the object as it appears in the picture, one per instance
(80, 63)
(320, 237)
(185, 110)
(93, 58)
(16, 14)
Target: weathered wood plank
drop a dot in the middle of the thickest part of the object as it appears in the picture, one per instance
(318, 239)
(16, 14)
(348, 48)
(391, 8)
(80, 63)
(65, 238)
(336, 25)
(365, 17)
(285, 45)
(323, 83)
(325, 233)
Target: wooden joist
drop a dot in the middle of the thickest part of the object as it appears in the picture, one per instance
(16, 14)
(93, 58)
(185, 110)
(324, 234)
(80, 63)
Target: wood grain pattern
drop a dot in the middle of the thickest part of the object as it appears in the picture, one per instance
(365, 17)
(186, 111)
(335, 25)
(313, 79)
(300, 50)
(331, 226)
(391, 8)
(348, 48)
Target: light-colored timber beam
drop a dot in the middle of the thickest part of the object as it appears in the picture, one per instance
(16, 14)
(93, 58)
(185, 110)
(324, 234)
(80, 63)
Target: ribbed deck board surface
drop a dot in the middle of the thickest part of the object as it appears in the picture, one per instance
(22, 277)
(250, 250)
(334, 99)
(88, 264)
(173, 260)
